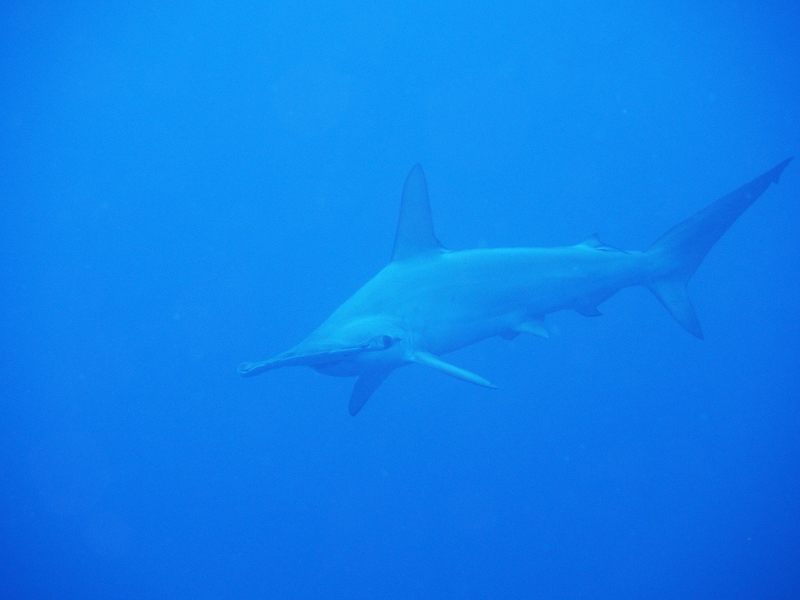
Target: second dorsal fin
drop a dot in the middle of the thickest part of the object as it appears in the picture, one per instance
(415, 227)
(594, 241)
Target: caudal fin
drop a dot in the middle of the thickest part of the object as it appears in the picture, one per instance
(677, 254)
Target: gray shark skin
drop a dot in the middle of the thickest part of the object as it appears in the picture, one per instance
(429, 301)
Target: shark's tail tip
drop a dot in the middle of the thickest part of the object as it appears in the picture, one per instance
(778, 170)
(245, 369)
(681, 250)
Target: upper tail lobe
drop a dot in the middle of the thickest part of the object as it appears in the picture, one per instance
(677, 254)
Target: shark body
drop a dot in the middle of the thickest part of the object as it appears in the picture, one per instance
(429, 301)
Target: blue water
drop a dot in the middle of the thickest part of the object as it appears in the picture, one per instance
(187, 186)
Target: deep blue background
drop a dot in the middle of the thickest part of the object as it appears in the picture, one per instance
(185, 187)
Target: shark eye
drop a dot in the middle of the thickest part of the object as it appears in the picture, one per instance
(388, 342)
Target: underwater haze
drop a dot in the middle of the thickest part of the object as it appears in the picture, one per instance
(186, 186)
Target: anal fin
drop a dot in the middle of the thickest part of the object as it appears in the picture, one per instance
(434, 362)
(534, 327)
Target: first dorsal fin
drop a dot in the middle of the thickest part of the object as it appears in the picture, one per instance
(415, 227)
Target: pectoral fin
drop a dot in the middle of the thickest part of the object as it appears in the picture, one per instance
(429, 360)
(365, 385)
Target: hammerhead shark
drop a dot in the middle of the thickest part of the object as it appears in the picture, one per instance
(429, 301)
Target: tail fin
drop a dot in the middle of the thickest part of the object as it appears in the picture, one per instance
(680, 251)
